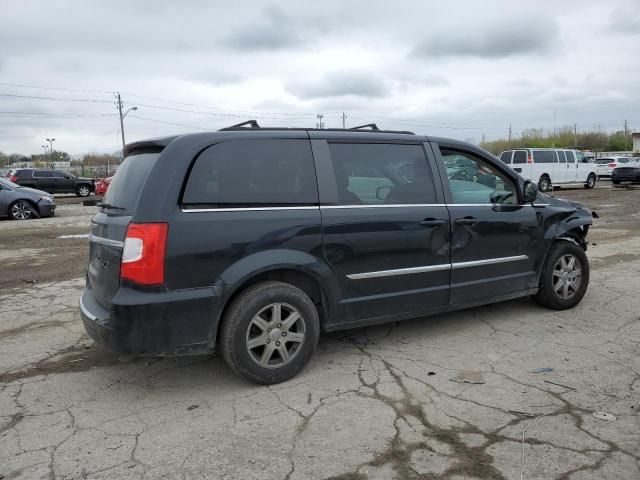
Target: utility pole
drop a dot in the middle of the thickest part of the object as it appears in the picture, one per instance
(51, 140)
(626, 134)
(320, 123)
(121, 117)
(344, 120)
(509, 135)
(554, 128)
(575, 135)
(482, 144)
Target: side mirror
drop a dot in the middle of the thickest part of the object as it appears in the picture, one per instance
(530, 191)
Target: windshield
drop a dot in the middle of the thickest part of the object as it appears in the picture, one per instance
(126, 185)
(6, 183)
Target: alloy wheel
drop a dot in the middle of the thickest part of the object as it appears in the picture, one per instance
(275, 335)
(20, 210)
(567, 276)
(84, 191)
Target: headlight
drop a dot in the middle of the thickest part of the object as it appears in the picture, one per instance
(46, 198)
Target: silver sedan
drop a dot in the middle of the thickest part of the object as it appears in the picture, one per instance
(22, 203)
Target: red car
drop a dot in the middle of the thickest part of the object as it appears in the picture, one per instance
(102, 185)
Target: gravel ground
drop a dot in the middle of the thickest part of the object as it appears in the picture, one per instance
(450, 396)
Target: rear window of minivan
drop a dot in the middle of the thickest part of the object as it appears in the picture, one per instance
(520, 156)
(543, 156)
(126, 186)
(246, 173)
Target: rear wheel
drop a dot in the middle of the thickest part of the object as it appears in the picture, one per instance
(20, 210)
(544, 184)
(591, 181)
(269, 332)
(565, 276)
(83, 190)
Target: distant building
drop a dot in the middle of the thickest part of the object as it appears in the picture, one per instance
(636, 142)
(62, 164)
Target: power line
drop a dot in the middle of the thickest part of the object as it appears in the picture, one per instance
(44, 114)
(169, 123)
(52, 88)
(12, 95)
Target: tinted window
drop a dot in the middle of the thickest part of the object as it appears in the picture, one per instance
(561, 156)
(372, 174)
(58, 173)
(472, 180)
(253, 172)
(520, 156)
(127, 183)
(42, 174)
(543, 156)
(506, 157)
(22, 174)
(570, 157)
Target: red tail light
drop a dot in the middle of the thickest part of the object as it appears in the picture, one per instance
(612, 165)
(143, 254)
(529, 158)
(13, 178)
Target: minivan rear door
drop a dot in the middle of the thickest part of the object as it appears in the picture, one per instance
(385, 227)
(109, 226)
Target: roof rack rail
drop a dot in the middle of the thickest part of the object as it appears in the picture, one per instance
(242, 125)
(372, 126)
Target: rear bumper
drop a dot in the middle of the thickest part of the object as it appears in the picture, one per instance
(626, 177)
(141, 323)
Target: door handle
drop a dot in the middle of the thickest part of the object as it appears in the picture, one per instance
(467, 221)
(433, 222)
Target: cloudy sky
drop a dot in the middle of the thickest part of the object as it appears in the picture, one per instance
(456, 68)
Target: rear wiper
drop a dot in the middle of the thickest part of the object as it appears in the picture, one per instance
(106, 205)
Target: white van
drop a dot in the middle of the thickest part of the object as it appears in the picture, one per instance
(552, 166)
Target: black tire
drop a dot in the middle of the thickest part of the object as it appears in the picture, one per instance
(21, 210)
(547, 295)
(544, 184)
(83, 190)
(237, 325)
(591, 182)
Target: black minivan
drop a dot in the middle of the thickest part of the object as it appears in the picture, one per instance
(250, 241)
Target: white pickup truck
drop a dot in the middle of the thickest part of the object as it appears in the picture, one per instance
(552, 166)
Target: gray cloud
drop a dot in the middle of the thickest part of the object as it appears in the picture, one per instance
(337, 84)
(275, 31)
(508, 38)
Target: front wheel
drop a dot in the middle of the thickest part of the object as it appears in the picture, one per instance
(83, 191)
(591, 181)
(20, 210)
(565, 276)
(269, 332)
(544, 184)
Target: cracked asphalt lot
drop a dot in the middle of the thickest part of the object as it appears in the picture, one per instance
(450, 396)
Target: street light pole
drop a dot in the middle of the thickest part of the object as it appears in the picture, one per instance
(121, 115)
(45, 153)
(51, 140)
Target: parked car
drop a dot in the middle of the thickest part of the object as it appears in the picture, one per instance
(251, 241)
(608, 164)
(630, 173)
(52, 181)
(22, 203)
(552, 166)
(102, 185)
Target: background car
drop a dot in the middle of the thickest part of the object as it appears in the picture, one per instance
(52, 181)
(102, 185)
(630, 173)
(606, 165)
(22, 203)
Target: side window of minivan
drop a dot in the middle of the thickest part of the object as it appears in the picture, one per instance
(373, 174)
(570, 157)
(246, 173)
(474, 181)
